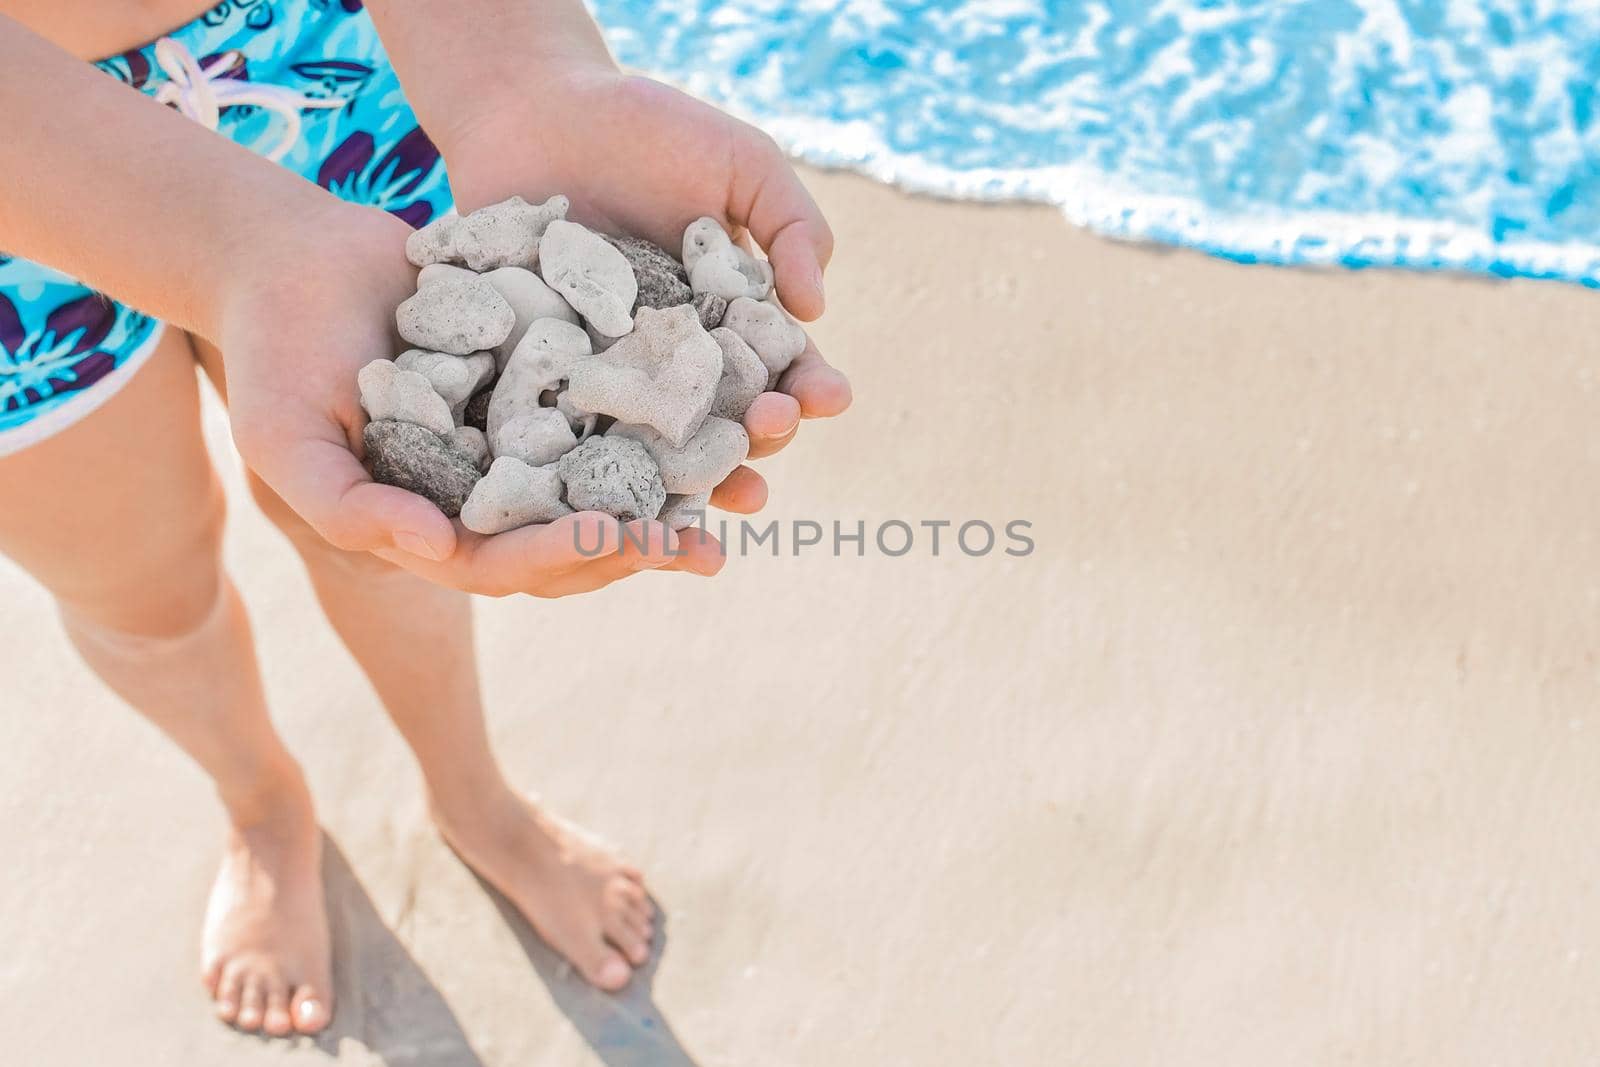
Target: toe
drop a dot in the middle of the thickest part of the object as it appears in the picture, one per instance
(607, 970)
(229, 988)
(252, 1004)
(641, 926)
(631, 893)
(210, 976)
(276, 1019)
(311, 1009)
(622, 934)
(637, 949)
(635, 903)
(640, 905)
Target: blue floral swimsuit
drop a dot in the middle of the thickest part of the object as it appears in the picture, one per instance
(303, 82)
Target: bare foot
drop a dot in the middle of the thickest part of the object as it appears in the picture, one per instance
(265, 954)
(586, 904)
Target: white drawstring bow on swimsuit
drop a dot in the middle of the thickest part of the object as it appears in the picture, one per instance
(202, 93)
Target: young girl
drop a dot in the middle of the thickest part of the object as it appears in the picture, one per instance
(240, 187)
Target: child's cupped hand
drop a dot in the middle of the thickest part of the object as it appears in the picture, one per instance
(638, 157)
(634, 157)
(305, 315)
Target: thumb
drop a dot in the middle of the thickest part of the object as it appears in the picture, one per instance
(771, 202)
(321, 479)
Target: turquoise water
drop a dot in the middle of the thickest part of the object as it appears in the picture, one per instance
(1435, 134)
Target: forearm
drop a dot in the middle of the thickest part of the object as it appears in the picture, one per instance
(103, 183)
(459, 59)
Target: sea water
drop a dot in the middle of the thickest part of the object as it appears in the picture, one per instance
(1433, 134)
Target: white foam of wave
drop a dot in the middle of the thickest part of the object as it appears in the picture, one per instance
(1097, 202)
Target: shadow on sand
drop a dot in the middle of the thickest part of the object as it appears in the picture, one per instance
(624, 1029)
(390, 1014)
(388, 1007)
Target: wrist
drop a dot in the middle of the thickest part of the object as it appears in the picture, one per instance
(514, 138)
(289, 260)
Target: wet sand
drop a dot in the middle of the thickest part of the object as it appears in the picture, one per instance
(1280, 748)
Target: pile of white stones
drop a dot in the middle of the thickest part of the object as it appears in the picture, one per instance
(558, 369)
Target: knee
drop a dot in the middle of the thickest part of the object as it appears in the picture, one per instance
(167, 587)
(313, 549)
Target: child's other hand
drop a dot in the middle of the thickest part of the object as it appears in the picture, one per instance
(638, 157)
(304, 317)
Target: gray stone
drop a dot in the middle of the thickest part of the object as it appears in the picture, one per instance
(530, 299)
(662, 281)
(420, 461)
(544, 358)
(598, 340)
(434, 243)
(514, 494)
(438, 272)
(699, 466)
(614, 475)
(506, 234)
(471, 442)
(682, 511)
(391, 392)
(704, 234)
(458, 315)
(581, 421)
(744, 376)
(767, 328)
(476, 413)
(590, 274)
(536, 437)
(732, 273)
(663, 375)
(710, 307)
(455, 378)
(717, 265)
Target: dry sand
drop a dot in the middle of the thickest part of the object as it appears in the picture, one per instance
(1282, 748)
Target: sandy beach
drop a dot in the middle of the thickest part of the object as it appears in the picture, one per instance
(1280, 748)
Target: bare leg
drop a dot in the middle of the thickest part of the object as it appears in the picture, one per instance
(132, 557)
(414, 641)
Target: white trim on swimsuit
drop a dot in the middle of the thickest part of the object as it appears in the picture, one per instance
(63, 415)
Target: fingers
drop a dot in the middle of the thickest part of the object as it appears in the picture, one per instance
(642, 545)
(795, 251)
(810, 389)
(821, 391)
(564, 545)
(768, 198)
(690, 551)
(320, 478)
(771, 422)
(744, 492)
(516, 561)
(698, 553)
(577, 553)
